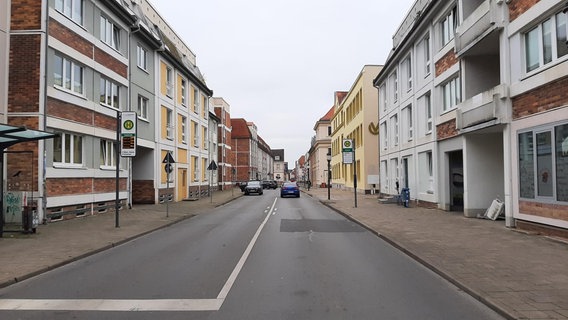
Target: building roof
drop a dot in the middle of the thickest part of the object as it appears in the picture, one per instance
(240, 129)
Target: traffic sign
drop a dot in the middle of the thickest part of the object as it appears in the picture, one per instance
(212, 165)
(347, 145)
(128, 133)
(168, 158)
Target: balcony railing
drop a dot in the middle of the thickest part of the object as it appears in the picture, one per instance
(485, 109)
(478, 24)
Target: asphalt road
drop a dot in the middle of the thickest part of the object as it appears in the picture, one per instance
(258, 257)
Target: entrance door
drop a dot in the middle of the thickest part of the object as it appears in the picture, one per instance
(456, 180)
(182, 184)
(405, 172)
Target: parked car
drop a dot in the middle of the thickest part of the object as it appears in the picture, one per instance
(253, 187)
(269, 184)
(289, 189)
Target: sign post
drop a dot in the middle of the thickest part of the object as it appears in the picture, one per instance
(348, 148)
(168, 160)
(212, 166)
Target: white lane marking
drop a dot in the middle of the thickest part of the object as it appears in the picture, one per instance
(142, 304)
(112, 305)
(227, 287)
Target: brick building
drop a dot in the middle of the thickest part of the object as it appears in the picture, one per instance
(74, 67)
(225, 153)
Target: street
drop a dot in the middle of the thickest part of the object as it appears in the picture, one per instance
(258, 257)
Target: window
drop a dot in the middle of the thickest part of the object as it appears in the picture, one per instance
(394, 128)
(384, 135)
(110, 33)
(183, 92)
(142, 107)
(204, 141)
(395, 87)
(195, 100)
(408, 67)
(449, 24)
(383, 97)
(329, 130)
(452, 93)
(409, 129)
(169, 124)
(546, 42)
(141, 58)
(109, 94)
(426, 48)
(68, 149)
(543, 159)
(73, 9)
(184, 130)
(195, 132)
(169, 82)
(68, 75)
(195, 168)
(108, 153)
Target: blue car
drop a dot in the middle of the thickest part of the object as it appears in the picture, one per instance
(289, 189)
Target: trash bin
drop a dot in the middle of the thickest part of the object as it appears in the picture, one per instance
(405, 196)
(29, 219)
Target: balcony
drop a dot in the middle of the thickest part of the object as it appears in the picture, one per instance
(483, 110)
(479, 22)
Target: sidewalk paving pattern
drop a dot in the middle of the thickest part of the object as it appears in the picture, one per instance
(520, 275)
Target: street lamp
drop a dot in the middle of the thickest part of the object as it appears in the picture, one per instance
(328, 175)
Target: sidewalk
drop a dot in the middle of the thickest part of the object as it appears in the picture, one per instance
(520, 275)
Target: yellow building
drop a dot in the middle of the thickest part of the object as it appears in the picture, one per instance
(356, 117)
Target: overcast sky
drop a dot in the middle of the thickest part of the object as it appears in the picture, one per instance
(278, 63)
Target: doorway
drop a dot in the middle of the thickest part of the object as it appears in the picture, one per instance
(456, 180)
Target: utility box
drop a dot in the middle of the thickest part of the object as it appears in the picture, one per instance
(30, 219)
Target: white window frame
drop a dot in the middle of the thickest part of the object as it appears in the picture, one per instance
(408, 66)
(427, 58)
(108, 154)
(68, 75)
(108, 91)
(540, 43)
(451, 93)
(169, 81)
(169, 124)
(68, 144)
(72, 9)
(196, 98)
(409, 129)
(394, 128)
(184, 130)
(142, 57)
(448, 26)
(183, 92)
(383, 101)
(196, 134)
(384, 135)
(428, 105)
(143, 103)
(110, 33)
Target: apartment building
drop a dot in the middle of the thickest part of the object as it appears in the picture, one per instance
(265, 160)
(319, 150)
(356, 118)
(213, 155)
(443, 109)
(225, 165)
(75, 67)
(469, 90)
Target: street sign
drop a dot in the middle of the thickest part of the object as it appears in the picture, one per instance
(347, 157)
(212, 165)
(128, 134)
(168, 158)
(168, 168)
(347, 145)
(347, 151)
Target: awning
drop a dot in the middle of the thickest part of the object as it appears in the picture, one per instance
(10, 135)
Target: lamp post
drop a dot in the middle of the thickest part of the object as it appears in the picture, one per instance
(328, 175)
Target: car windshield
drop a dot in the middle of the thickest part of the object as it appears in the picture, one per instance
(289, 184)
(253, 183)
